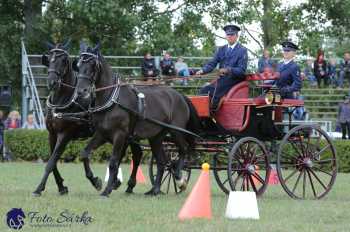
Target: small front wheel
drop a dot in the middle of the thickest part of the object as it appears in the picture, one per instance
(168, 182)
(248, 166)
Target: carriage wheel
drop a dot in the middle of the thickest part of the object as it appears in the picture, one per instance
(220, 162)
(168, 182)
(306, 162)
(248, 166)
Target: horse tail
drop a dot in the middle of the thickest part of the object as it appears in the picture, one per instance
(194, 123)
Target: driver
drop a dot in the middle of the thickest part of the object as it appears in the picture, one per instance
(232, 59)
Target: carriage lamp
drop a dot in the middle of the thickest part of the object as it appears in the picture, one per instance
(269, 98)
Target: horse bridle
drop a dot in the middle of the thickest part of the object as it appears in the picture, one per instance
(57, 52)
(89, 56)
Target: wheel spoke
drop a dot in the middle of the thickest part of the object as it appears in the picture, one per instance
(253, 155)
(296, 183)
(236, 180)
(225, 181)
(304, 183)
(252, 183)
(318, 179)
(301, 145)
(258, 177)
(175, 186)
(318, 169)
(322, 150)
(165, 177)
(312, 184)
(168, 185)
(325, 161)
(290, 157)
(295, 148)
(290, 175)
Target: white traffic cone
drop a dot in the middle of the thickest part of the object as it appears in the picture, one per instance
(242, 205)
(120, 175)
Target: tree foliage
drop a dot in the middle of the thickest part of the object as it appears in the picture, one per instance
(132, 27)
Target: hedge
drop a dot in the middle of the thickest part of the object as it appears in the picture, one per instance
(30, 145)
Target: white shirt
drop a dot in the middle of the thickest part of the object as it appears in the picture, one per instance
(232, 46)
(287, 61)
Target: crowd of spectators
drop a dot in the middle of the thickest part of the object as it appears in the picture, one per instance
(168, 68)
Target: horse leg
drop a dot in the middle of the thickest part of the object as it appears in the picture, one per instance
(136, 157)
(158, 152)
(117, 182)
(93, 144)
(119, 144)
(61, 143)
(182, 144)
(59, 180)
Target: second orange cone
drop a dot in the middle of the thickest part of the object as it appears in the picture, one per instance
(198, 203)
(140, 178)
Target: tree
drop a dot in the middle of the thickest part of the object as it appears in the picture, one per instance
(11, 20)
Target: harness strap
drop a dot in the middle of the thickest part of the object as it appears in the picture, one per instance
(160, 123)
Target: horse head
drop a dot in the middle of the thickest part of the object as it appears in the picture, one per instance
(57, 61)
(89, 67)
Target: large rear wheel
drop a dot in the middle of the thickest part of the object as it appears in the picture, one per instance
(306, 162)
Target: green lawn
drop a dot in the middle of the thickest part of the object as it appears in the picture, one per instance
(122, 212)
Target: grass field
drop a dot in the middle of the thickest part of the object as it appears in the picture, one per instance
(122, 212)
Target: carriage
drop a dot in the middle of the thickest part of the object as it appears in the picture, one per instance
(250, 138)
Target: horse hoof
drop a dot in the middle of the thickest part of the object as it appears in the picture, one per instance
(116, 184)
(104, 196)
(36, 194)
(150, 192)
(98, 184)
(63, 191)
(129, 190)
(154, 192)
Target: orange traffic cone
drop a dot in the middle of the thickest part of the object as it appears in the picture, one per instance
(140, 178)
(273, 179)
(255, 180)
(198, 203)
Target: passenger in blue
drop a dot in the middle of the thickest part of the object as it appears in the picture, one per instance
(289, 81)
(232, 59)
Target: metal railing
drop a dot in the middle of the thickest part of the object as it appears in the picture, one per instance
(30, 96)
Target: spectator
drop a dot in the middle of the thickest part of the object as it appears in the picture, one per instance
(30, 123)
(149, 67)
(265, 62)
(309, 74)
(182, 70)
(13, 121)
(320, 69)
(344, 70)
(167, 65)
(332, 72)
(344, 116)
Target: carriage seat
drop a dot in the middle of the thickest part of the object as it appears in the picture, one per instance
(233, 116)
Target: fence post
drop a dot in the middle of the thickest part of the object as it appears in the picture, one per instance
(24, 111)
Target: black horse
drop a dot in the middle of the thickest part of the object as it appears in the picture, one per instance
(118, 114)
(62, 128)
